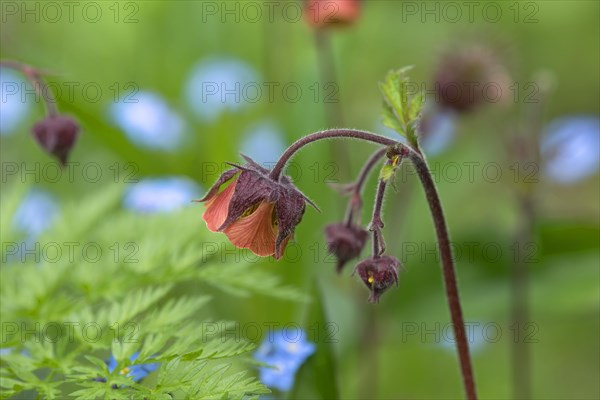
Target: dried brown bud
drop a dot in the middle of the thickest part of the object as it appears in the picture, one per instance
(57, 135)
(469, 77)
(345, 242)
(378, 274)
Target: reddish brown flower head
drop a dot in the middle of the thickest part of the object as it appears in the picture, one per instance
(328, 13)
(57, 135)
(345, 242)
(253, 210)
(469, 77)
(379, 274)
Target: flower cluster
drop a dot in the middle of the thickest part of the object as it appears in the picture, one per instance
(259, 212)
(259, 209)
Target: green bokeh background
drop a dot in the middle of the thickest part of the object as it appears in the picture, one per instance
(373, 354)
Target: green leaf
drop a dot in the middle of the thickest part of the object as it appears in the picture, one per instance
(150, 306)
(416, 104)
(387, 172)
(391, 121)
(401, 111)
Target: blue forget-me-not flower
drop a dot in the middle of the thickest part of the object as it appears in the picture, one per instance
(136, 372)
(285, 350)
(570, 149)
(160, 194)
(148, 121)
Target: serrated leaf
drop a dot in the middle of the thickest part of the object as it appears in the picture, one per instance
(400, 110)
(416, 104)
(387, 172)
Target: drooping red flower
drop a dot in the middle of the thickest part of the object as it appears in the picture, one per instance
(345, 242)
(57, 135)
(328, 13)
(253, 210)
(378, 274)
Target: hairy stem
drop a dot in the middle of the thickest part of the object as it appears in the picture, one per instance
(356, 199)
(327, 134)
(376, 221)
(462, 345)
(439, 221)
(34, 77)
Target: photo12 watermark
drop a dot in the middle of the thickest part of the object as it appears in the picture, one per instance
(71, 172)
(70, 252)
(69, 332)
(53, 12)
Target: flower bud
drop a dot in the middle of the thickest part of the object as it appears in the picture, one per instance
(57, 135)
(329, 13)
(469, 77)
(378, 274)
(345, 242)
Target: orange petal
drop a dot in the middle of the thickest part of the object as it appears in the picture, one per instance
(255, 232)
(217, 208)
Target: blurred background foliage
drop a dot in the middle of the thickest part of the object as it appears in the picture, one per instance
(167, 46)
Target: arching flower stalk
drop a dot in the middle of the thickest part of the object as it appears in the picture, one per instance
(259, 209)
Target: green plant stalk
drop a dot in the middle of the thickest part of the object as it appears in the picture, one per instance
(334, 116)
(443, 238)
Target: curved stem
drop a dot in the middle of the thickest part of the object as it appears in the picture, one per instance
(327, 134)
(441, 230)
(33, 76)
(376, 221)
(462, 346)
(356, 200)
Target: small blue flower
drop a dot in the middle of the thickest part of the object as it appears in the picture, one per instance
(571, 149)
(149, 122)
(263, 143)
(160, 194)
(36, 213)
(136, 372)
(286, 350)
(13, 105)
(217, 85)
